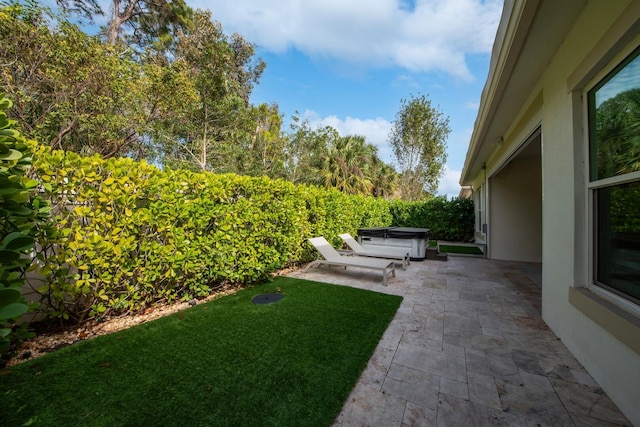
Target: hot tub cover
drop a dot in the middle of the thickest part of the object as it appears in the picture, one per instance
(373, 231)
(395, 232)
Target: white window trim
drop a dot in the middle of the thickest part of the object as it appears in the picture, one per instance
(591, 187)
(614, 180)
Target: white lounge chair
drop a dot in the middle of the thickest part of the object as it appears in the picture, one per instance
(389, 252)
(333, 257)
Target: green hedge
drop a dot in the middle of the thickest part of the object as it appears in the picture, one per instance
(127, 234)
(451, 220)
(22, 213)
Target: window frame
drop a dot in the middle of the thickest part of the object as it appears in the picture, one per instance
(618, 63)
(479, 207)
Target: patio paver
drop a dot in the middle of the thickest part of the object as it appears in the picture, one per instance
(468, 347)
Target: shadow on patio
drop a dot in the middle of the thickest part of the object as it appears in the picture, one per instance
(468, 347)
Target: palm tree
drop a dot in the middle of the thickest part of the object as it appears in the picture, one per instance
(618, 134)
(345, 163)
(384, 179)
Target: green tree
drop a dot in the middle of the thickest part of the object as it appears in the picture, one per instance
(322, 157)
(140, 22)
(170, 97)
(303, 146)
(222, 71)
(418, 137)
(71, 91)
(617, 129)
(260, 145)
(344, 163)
(384, 178)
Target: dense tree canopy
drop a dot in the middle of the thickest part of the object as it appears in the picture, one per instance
(88, 102)
(418, 138)
(139, 22)
(220, 73)
(172, 88)
(344, 164)
(617, 135)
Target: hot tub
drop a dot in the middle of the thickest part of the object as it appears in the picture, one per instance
(414, 239)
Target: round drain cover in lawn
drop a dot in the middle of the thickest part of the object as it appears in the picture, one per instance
(266, 298)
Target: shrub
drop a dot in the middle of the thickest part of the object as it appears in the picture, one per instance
(451, 220)
(21, 211)
(128, 234)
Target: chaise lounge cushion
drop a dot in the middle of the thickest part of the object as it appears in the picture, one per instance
(333, 257)
(389, 252)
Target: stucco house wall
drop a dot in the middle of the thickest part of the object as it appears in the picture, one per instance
(614, 365)
(603, 334)
(517, 229)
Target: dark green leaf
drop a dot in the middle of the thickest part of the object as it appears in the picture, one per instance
(8, 256)
(9, 295)
(11, 155)
(17, 242)
(13, 310)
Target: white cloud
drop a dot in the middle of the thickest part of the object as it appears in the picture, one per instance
(434, 35)
(449, 183)
(473, 105)
(375, 130)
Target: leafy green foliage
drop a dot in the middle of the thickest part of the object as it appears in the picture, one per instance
(213, 126)
(127, 234)
(130, 234)
(141, 23)
(90, 102)
(344, 164)
(418, 138)
(322, 157)
(181, 102)
(187, 108)
(21, 210)
(451, 220)
(616, 140)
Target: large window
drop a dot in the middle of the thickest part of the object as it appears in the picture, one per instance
(614, 159)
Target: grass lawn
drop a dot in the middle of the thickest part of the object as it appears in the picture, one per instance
(225, 363)
(454, 249)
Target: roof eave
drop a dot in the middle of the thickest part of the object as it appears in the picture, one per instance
(517, 17)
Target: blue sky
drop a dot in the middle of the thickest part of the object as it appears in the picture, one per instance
(349, 63)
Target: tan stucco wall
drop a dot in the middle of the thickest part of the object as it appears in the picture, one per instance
(516, 223)
(565, 220)
(566, 263)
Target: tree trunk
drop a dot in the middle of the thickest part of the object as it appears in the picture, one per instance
(203, 154)
(118, 19)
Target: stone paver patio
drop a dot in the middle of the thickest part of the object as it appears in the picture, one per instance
(468, 347)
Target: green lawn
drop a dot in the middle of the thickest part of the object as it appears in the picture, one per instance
(455, 249)
(452, 248)
(225, 363)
